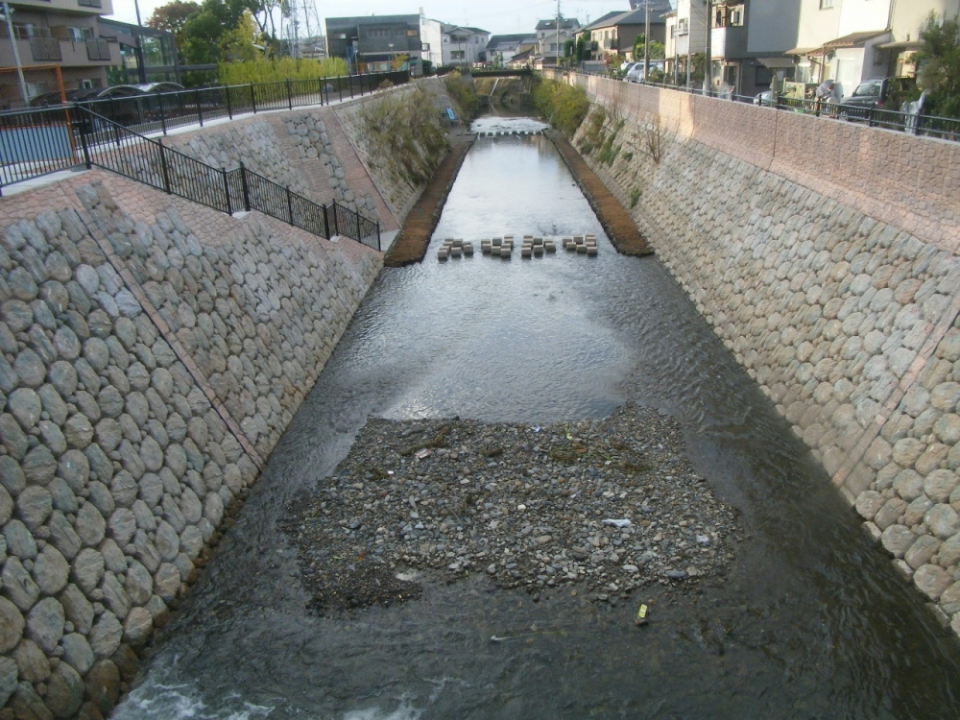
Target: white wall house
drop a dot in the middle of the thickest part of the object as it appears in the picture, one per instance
(431, 34)
(855, 40)
(686, 34)
(552, 41)
(464, 45)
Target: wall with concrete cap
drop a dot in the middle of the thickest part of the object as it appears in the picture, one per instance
(833, 277)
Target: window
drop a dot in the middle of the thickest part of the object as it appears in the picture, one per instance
(826, 4)
(682, 26)
(80, 34)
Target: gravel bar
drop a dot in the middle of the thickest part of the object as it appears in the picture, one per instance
(607, 506)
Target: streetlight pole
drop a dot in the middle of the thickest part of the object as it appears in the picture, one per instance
(7, 15)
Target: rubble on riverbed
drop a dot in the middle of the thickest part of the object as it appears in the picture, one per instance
(606, 506)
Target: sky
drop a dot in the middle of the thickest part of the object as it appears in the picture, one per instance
(497, 16)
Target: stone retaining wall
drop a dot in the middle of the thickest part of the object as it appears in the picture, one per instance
(322, 153)
(837, 294)
(152, 351)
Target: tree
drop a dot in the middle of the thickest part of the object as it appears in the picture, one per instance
(657, 50)
(239, 44)
(172, 16)
(939, 65)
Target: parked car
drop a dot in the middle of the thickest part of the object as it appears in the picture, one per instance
(876, 94)
(766, 99)
(635, 74)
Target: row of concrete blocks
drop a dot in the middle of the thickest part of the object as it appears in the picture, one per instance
(581, 244)
(531, 247)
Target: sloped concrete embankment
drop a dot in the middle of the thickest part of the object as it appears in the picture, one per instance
(824, 255)
(153, 351)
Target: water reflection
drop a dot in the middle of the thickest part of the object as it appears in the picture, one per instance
(813, 623)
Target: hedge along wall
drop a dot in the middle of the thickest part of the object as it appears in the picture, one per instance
(824, 255)
(151, 353)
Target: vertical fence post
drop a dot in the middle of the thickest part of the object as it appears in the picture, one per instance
(163, 166)
(229, 106)
(290, 206)
(359, 231)
(226, 189)
(196, 98)
(326, 222)
(320, 88)
(243, 186)
(163, 119)
(336, 218)
(83, 119)
(253, 99)
(378, 236)
(289, 95)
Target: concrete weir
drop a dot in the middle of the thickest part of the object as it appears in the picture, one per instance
(152, 352)
(833, 279)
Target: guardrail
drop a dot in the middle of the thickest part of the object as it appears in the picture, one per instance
(921, 125)
(110, 146)
(46, 140)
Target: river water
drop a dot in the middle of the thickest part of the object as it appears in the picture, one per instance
(812, 623)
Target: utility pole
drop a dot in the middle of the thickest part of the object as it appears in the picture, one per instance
(646, 44)
(707, 60)
(558, 34)
(7, 15)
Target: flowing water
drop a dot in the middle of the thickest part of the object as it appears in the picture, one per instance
(813, 622)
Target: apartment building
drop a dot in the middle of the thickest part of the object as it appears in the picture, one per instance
(51, 34)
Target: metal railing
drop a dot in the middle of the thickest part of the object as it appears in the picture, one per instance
(110, 146)
(45, 140)
(921, 125)
(158, 112)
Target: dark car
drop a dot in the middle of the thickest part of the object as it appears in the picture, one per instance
(876, 94)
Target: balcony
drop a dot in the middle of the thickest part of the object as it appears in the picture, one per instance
(728, 42)
(67, 53)
(45, 49)
(98, 50)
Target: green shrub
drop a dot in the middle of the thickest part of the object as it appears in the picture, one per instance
(464, 95)
(264, 71)
(627, 156)
(635, 194)
(563, 106)
(406, 133)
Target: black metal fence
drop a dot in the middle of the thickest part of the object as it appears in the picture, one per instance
(113, 147)
(921, 125)
(46, 140)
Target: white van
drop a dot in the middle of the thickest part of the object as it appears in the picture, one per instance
(635, 74)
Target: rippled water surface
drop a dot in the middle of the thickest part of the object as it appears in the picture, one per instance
(812, 624)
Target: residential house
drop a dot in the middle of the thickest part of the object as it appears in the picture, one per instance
(615, 33)
(686, 36)
(854, 40)
(748, 43)
(501, 49)
(52, 36)
(749, 40)
(552, 36)
(376, 43)
(446, 45)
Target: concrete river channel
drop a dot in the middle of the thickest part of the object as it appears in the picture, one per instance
(811, 621)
